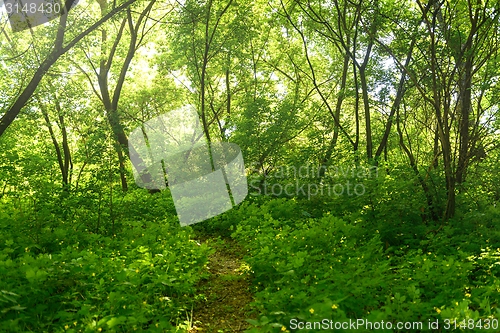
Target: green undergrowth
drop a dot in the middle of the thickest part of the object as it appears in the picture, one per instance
(129, 266)
(70, 279)
(309, 269)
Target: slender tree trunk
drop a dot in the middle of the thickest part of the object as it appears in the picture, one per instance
(64, 154)
(338, 108)
(366, 105)
(59, 154)
(203, 78)
(465, 110)
(435, 149)
(111, 101)
(414, 166)
(395, 106)
(356, 112)
(444, 137)
(67, 163)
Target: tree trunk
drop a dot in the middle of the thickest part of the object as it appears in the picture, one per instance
(336, 128)
(395, 106)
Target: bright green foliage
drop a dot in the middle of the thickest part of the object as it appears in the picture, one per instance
(327, 268)
(408, 90)
(144, 282)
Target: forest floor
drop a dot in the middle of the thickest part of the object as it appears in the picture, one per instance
(227, 291)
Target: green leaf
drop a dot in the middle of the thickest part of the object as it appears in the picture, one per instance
(116, 321)
(253, 322)
(15, 308)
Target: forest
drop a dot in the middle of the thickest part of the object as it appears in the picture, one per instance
(250, 166)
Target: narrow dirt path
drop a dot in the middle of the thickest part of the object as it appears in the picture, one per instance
(227, 291)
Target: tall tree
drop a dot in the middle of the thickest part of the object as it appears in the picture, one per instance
(60, 47)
